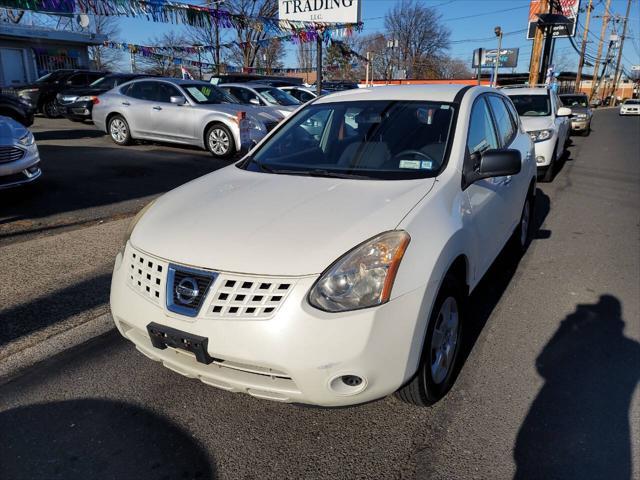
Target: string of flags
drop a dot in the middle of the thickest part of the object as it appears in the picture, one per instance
(166, 11)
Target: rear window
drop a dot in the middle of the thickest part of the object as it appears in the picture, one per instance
(575, 100)
(532, 105)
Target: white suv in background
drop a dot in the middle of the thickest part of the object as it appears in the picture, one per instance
(331, 265)
(547, 122)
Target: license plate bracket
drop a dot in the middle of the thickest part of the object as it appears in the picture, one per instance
(162, 337)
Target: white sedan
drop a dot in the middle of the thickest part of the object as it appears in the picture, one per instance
(630, 107)
(332, 265)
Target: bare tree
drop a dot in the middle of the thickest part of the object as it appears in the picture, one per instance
(247, 35)
(272, 56)
(104, 58)
(452, 68)
(381, 57)
(164, 64)
(420, 34)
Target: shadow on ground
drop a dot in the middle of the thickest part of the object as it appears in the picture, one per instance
(97, 439)
(578, 424)
(68, 134)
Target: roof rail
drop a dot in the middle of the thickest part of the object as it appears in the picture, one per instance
(535, 85)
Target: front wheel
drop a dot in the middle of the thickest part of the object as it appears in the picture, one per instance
(50, 110)
(548, 174)
(220, 141)
(439, 360)
(119, 130)
(522, 235)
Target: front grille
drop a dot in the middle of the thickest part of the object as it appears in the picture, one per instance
(10, 154)
(187, 288)
(237, 296)
(146, 275)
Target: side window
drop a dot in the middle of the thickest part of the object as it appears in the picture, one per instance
(78, 80)
(481, 135)
(164, 92)
(92, 77)
(505, 127)
(239, 93)
(143, 91)
(514, 113)
(304, 96)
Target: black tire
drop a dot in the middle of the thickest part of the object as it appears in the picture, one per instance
(50, 109)
(423, 390)
(522, 235)
(119, 131)
(219, 141)
(548, 173)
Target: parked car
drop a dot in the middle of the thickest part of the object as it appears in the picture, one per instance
(17, 108)
(303, 94)
(338, 85)
(547, 122)
(262, 95)
(76, 104)
(630, 107)
(19, 157)
(333, 268)
(581, 113)
(180, 111)
(272, 80)
(42, 94)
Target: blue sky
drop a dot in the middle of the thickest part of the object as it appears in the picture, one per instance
(467, 20)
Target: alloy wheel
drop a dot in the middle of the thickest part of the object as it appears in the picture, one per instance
(118, 130)
(444, 340)
(219, 141)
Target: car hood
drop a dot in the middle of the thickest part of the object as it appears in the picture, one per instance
(10, 131)
(249, 222)
(83, 91)
(536, 123)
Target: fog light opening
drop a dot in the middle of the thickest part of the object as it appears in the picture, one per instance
(347, 384)
(540, 159)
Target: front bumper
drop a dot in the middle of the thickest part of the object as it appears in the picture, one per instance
(298, 355)
(580, 125)
(22, 171)
(627, 111)
(544, 152)
(76, 110)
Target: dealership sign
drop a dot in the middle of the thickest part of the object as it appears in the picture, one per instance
(487, 57)
(569, 8)
(325, 11)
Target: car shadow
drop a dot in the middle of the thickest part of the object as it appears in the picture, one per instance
(68, 134)
(97, 439)
(490, 289)
(578, 424)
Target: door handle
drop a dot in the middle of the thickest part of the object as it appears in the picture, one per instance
(126, 103)
(157, 108)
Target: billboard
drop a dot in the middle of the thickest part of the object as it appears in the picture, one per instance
(484, 57)
(329, 11)
(569, 10)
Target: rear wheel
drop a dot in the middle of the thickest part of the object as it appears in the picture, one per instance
(548, 173)
(50, 110)
(439, 360)
(119, 130)
(220, 141)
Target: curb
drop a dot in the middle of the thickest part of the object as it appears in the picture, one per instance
(15, 364)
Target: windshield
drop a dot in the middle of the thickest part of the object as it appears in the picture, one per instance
(374, 139)
(632, 102)
(51, 77)
(575, 100)
(206, 94)
(531, 105)
(106, 82)
(277, 97)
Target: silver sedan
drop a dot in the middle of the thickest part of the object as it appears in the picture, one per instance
(181, 111)
(19, 157)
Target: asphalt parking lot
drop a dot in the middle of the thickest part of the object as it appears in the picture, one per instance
(548, 389)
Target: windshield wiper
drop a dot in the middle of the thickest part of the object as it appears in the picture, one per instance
(318, 172)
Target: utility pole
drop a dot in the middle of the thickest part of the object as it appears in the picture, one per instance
(538, 40)
(603, 31)
(498, 32)
(366, 82)
(583, 48)
(132, 60)
(616, 77)
(319, 65)
(217, 39)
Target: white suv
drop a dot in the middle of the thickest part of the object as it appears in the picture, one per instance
(547, 122)
(332, 264)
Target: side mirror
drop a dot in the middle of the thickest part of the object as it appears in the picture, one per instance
(492, 163)
(254, 101)
(178, 100)
(564, 112)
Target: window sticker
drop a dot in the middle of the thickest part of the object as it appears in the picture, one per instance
(197, 94)
(415, 164)
(426, 164)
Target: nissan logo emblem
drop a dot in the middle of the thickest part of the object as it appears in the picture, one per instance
(187, 290)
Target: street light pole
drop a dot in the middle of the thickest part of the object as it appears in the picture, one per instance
(498, 32)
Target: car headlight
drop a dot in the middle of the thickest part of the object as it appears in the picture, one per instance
(132, 225)
(581, 116)
(540, 135)
(363, 277)
(27, 140)
(88, 98)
